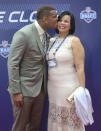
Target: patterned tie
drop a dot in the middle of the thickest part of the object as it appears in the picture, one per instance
(44, 43)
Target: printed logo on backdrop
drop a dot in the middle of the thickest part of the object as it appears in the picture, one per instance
(88, 15)
(4, 48)
(15, 16)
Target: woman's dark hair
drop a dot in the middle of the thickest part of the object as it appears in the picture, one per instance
(72, 21)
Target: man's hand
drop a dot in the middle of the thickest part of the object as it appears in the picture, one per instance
(18, 99)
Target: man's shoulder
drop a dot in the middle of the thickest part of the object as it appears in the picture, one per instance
(27, 29)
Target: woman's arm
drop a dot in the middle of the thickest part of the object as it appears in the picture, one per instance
(79, 55)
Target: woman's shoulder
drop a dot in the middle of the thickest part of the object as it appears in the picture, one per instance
(74, 38)
(76, 42)
(71, 39)
(52, 39)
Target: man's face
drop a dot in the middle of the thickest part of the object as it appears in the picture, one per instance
(52, 19)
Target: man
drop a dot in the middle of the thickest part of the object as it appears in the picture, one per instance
(27, 72)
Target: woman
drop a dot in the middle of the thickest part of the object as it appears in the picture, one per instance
(66, 72)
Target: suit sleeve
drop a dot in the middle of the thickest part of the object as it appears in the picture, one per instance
(15, 57)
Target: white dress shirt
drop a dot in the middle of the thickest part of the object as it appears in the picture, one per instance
(40, 30)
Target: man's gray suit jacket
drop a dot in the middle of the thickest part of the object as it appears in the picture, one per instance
(26, 62)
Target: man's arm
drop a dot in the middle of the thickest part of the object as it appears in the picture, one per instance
(16, 53)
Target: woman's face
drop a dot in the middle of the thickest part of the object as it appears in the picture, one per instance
(64, 24)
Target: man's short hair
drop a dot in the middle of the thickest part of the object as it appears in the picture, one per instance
(43, 11)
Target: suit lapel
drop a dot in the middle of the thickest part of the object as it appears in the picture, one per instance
(37, 37)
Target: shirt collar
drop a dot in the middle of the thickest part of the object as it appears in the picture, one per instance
(39, 28)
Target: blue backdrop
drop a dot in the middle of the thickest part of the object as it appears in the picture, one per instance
(15, 14)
